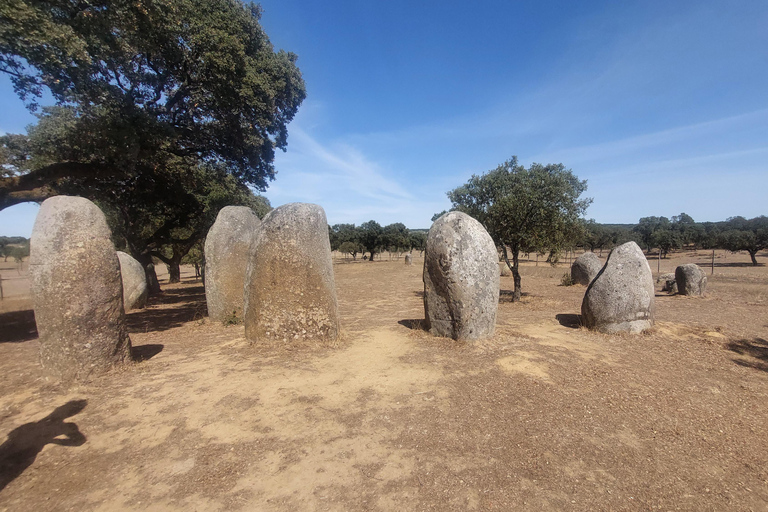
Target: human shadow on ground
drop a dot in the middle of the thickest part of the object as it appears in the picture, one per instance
(416, 324)
(756, 348)
(145, 352)
(20, 450)
(569, 320)
(172, 308)
(18, 326)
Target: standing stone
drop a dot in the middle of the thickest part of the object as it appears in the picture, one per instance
(504, 269)
(585, 268)
(227, 251)
(621, 297)
(690, 279)
(135, 290)
(669, 283)
(290, 291)
(77, 290)
(461, 278)
(408, 260)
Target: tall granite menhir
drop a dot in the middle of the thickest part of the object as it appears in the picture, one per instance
(290, 291)
(621, 297)
(227, 252)
(76, 290)
(461, 279)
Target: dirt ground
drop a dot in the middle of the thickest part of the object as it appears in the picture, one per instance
(543, 416)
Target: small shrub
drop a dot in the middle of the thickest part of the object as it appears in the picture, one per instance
(232, 319)
(567, 280)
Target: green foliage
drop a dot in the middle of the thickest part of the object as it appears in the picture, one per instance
(369, 236)
(740, 234)
(142, 86)
(531, 210)
(567, 280)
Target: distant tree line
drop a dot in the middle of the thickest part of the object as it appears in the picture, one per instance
(16, 247)
(680, 232)
(371, 238)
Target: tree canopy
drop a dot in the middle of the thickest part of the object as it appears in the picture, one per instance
(141, 86)
(534, 209)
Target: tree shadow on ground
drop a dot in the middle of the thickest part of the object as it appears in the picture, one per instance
(20, 450)
(508, 295)
(18, 326)
(416, 324)
(569, 320)
(145, 352)
(756, 348)
(172, 308)
(419, 293)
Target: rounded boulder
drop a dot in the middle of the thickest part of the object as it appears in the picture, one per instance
(227, 252)
(461, 278)
(621, 297)
(585, 268)
(291, 293)
(690, 279)
(77, 290)
(135, 290)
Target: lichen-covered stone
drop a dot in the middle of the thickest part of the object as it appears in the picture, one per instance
(621, 297)
(135, 290)
(76, 290)
(227, 252)
(291, 293)
(461, 278)
(585, 268)
(690, 279)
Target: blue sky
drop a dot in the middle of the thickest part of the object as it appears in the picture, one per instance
(661, 106)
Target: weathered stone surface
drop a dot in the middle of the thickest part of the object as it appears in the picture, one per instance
(291, 293)
(135, 290)
(408, 260)
(76, 290)
(621, 297)
(504, 269)
(668, 282)
(227, 252)
(461, 278)
(585, 268)
(690, 279)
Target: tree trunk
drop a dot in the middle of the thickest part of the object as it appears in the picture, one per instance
(372, 253)
(752, 255)
(174, 272)
(515, 268)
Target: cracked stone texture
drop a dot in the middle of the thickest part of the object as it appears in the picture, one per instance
(77, 290)
(135, 289)
(461, 279)
(585, 268)
(227, 252)
(690, 279)
(621, 297)
(291, 294)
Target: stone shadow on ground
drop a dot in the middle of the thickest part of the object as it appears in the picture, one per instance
(416, 324)
(20, 450)
(569, 320)
(756, 348)
(144, 352)
(18, 326)
(174, 307)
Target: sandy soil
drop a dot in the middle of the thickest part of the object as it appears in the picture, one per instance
(543, 416)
